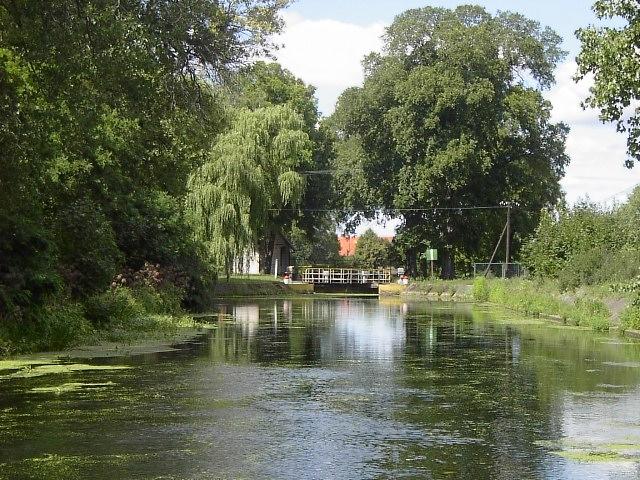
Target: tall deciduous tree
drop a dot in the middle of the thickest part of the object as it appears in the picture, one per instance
(250, 176)
(612, 55)
(447, 119)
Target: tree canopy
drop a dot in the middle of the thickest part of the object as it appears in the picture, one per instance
(611, 55)
(106, 107)
(372, 251)
(447, 118)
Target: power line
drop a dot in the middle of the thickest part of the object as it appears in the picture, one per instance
(615, 195)
(318, 172)
(397, 210)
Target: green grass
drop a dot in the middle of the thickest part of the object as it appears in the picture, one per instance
(251, 278)
(630, 318)
(544, 299)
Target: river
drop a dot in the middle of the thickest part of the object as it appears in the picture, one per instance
(340, 389)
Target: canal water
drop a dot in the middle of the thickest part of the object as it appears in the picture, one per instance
(335, 389)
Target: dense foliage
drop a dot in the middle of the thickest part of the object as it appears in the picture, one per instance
(234, 197)
(610, 54)
(267, 84)
(372, 251)
(106, 108)
(446, 120)
(321, 247)
(586, 244)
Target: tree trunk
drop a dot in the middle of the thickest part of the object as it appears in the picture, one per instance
(448, 264)
(266, 253)
(412, 263)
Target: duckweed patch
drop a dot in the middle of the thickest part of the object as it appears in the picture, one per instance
(591, 456)
(72, 387)
(57, 369)
(593, 453)
(20, 364)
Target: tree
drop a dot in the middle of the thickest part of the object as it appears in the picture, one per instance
(610, 54)
(250, 177)
(445, 120)
(265, 84)
(106, 106)
(371, 251)
(321, 249)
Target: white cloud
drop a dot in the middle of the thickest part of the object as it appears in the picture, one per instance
(597, 151)
(327, 54)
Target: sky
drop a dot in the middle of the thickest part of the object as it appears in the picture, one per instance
(324, 42)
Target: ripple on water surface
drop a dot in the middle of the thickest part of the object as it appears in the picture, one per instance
(342, 388)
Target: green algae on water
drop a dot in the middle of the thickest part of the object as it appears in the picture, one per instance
(72, 387)
(54, 369)
(593, 452)
(24, 363)
(588, 456)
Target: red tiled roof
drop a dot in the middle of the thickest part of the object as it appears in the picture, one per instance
(348, 245)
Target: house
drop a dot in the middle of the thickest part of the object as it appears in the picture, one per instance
(251, 263)
(281, 256)
(348, 245)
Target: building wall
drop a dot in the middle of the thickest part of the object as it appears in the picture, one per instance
(249, 264)
(281, 253)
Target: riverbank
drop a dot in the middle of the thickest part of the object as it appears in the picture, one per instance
(136, 319)
(144, 334)
(259, 286)
(120, 315)
(598, 308)
(436, 290)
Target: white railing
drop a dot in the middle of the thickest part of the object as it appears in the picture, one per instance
(345, 276)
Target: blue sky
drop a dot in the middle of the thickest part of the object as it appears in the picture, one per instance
(324, 42)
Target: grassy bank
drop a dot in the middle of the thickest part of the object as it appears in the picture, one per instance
(120, 314)
(252, 286)
(597, 308)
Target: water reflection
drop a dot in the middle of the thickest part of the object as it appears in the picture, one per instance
(343, 389)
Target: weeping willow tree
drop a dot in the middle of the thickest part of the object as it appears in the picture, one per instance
(251, 175)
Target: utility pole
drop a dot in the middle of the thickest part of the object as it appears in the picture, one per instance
(508, 242)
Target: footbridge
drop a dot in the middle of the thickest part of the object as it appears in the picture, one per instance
(346, 276)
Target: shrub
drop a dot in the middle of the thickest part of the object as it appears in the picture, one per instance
(53, 327)
(86, 241)
(63, 325)
(630, 318)
(481, 289)
(28, 274)
(592, 313)
(125, 307)
(598, 266)
(165, 300)
(582, 268)
(564, 234)
(117, 306)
